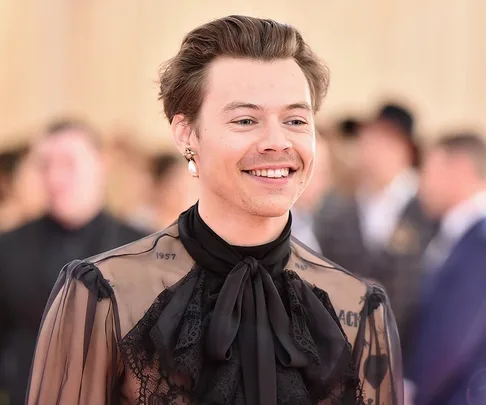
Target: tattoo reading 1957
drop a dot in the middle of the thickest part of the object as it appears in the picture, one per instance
(166, 256)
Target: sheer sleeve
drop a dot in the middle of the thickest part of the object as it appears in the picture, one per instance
(76, 357)
(377, 352)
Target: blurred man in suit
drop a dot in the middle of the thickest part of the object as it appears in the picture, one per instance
(448, 366)
(305, 207)
(72, 166)
(382, 232)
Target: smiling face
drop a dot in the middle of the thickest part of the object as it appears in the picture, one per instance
(255, 137)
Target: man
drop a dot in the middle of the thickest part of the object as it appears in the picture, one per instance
(343, 138)
(223, 307)
(309, 201)
(382, 232)
(71, 165)
(448, 366)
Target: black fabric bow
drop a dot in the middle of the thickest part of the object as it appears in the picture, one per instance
(249, 313)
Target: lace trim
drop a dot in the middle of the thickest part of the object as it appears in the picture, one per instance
(183, 375)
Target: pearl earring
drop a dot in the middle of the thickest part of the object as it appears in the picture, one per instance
(191, 164)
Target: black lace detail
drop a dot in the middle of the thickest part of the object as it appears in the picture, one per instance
(138, 352)
(175, 372)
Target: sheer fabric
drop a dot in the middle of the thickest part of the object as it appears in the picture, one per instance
(142, 325)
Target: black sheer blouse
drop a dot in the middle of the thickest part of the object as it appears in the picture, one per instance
(181, 317)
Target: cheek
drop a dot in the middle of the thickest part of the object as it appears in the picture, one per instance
(218, 157)
(436, 185)
(306, 149)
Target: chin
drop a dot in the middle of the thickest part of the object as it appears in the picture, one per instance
(269, 206)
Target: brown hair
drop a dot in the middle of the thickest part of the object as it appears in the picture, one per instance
(182, 79)
(61, 125)
(161, 165)
(466, 143)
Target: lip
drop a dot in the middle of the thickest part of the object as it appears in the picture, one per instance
(274, 167)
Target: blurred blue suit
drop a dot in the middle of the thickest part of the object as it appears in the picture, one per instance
(448, 366)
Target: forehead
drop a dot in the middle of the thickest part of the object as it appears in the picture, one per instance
(437, 156)
(378, 128)
(69, 143)
(269, 84)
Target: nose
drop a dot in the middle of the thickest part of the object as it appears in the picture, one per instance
(274, 139)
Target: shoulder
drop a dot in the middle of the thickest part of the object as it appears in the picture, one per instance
(336, 204)
(141, 255)
(125, 232)
(339, 283)
(471, 247)
(139, 271)
(481, 230)
(347, 292)
(26, 230)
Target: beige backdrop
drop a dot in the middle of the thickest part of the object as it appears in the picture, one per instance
(99, 58)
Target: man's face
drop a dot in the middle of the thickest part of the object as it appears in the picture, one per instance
(379, 147)
(437, 182)
(255, 150)
(71, 170)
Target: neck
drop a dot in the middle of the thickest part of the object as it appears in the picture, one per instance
(165, 214)
(467, 194)
(74, 223)
(241, 228)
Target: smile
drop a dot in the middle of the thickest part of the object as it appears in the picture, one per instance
(271, 173)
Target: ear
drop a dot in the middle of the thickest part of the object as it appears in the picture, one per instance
(183, 133)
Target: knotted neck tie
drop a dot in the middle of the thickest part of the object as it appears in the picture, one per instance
(248, 309)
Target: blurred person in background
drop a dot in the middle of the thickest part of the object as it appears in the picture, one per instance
(343, 139)
(305, 207)
(382, 232)
(128, 174)
(71, 164)
(172, 190)
(448, 358)
(22, 196)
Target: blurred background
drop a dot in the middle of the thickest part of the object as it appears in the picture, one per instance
(407, 88)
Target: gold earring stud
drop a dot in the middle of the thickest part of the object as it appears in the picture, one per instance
(189, 154)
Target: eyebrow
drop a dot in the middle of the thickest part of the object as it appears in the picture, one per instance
(240, 104)
(299, 106)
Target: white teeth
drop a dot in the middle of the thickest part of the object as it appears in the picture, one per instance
(272, 173)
